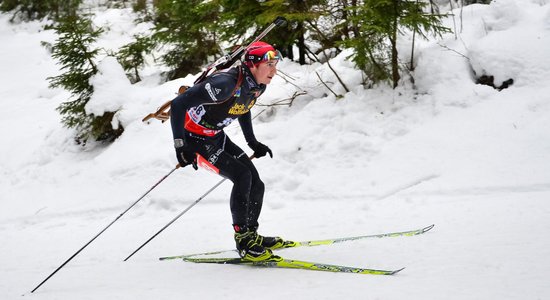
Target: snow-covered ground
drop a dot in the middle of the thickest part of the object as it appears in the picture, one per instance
(466, 157)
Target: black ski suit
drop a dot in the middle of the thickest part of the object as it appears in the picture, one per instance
(199, 115)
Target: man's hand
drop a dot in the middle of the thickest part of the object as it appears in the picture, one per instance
(260, 149)
(184, 156)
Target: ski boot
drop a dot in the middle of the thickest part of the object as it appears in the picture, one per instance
(270, 242)
(247, 246)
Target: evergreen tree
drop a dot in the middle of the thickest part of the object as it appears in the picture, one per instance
(186, 29)
(132, 56)
(238, 17)
(379, 22)
(73, 51)
(140, 5)
(32, 9)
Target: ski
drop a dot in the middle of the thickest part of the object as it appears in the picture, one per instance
(290, 244)
(279, 262)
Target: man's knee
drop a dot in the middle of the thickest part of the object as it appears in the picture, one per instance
(243, 175)
(258, 186)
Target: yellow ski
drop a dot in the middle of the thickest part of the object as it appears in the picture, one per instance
(291, 244)
(279, 262)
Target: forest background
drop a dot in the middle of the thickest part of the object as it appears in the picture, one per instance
(187, 35)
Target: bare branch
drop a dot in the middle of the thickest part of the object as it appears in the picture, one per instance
(287, 102)
(337, 96)
(338, 77)
(443, 46)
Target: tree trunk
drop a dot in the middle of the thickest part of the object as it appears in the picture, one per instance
(301, 44)
(394, 54)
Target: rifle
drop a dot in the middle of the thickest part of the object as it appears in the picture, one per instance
(224, 62)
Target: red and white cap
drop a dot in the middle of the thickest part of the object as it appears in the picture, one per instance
(259, 52)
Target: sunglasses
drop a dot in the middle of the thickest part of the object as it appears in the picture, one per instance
(270, 55)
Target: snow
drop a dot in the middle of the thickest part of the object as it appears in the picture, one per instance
(470, 159)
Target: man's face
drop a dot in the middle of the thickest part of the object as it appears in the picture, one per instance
(264, 72)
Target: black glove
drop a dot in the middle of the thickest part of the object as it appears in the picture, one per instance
(260, 149)
(184, 156)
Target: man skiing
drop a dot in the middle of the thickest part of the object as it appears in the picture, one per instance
(198, 117)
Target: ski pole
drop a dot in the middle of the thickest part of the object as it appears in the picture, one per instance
(86, 245)
(179, 215)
